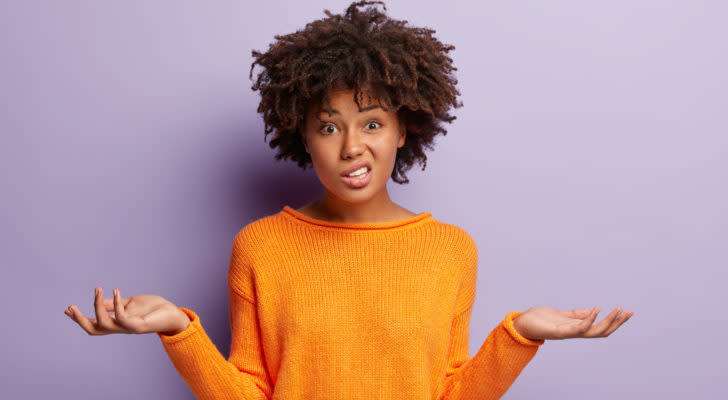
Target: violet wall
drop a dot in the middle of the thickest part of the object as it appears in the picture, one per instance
(589, 163)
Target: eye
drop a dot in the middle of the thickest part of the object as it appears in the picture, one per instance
(323, 130)
(373, 122)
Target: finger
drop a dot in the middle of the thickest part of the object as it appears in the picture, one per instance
(586, 324)
(109, 303)
(103, 320)
(87, 324)
(120, 312)
(618, 322)
(599, 329)
(578, 329)
(578, 313)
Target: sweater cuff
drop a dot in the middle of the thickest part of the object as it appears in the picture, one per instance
(508, 324)
(192, 328)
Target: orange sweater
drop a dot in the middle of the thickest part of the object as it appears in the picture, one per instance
(333, 310)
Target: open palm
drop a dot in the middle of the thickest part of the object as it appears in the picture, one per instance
(143, 313)
(550, 323)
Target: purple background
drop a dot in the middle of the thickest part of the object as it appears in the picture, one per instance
(588, 163)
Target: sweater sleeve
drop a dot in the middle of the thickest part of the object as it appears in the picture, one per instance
(207, 373)
(498, 362)
(243, 376)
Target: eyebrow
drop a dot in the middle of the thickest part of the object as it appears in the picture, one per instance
(337, 111)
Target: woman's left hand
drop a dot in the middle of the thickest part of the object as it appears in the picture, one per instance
(550, 323)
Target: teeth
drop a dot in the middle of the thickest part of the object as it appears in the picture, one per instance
(359, 171)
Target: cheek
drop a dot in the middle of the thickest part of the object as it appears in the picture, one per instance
(320, 153)
(385, 149)
(323, 159)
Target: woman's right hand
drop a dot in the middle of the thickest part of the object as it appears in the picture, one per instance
(144, 313)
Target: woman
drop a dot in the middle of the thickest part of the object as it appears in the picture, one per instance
(352, 295)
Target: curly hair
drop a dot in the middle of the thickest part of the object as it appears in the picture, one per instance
(406, 67)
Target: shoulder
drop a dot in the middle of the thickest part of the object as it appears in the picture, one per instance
(463, 250)
(260, 231)
(248, 254)
(456, 236)
(464, 253)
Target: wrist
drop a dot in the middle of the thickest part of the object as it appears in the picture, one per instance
(182, 326)
(518, 328)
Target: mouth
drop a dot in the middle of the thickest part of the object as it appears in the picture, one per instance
(360, 180)
(357, 167)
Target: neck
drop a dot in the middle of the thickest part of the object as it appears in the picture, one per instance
(379, 209)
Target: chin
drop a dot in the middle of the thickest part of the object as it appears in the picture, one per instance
(354, 195)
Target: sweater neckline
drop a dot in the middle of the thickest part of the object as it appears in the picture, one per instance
(302, 218)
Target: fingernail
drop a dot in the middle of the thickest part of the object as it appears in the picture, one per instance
(96, 291)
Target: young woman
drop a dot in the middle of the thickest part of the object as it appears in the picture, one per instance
(352, 295)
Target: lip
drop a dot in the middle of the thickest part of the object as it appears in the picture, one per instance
(358, 181)
(357, 166)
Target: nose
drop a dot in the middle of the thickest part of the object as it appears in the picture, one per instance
(353, 146)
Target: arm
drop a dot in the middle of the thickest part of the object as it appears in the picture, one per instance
(207, 373)
(496, 365)
(500, 359)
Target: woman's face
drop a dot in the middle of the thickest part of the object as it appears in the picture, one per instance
(347, 138)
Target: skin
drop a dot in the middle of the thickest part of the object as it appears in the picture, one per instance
(336, 142)
(143, 313)
(550, 323)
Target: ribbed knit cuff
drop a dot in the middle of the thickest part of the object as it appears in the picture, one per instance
(193, 327)
(508, 324)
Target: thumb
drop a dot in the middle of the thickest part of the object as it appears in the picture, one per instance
(579, 313)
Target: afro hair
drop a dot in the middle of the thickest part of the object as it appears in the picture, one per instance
(407, 68)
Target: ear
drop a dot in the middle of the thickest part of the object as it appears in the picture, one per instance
(402, 134)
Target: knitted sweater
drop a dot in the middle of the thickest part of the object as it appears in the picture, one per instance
(334, 310)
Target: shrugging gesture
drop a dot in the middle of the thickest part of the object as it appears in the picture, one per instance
(144, 313)
(550, 323)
